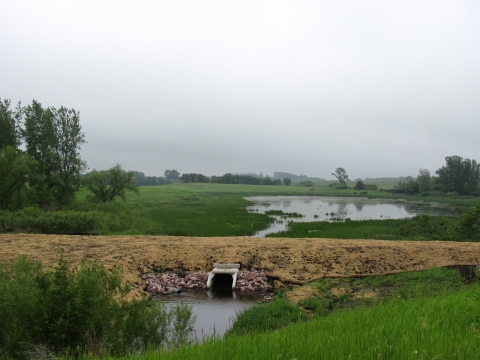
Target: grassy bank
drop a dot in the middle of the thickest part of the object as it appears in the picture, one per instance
(427, 315)
(428, 328)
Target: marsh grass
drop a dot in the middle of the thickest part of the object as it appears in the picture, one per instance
(200, 210)
(387, 229)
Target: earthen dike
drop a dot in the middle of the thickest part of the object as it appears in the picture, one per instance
(286, 259)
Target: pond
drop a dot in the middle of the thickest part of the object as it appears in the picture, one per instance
(319, 208)
(215, 309)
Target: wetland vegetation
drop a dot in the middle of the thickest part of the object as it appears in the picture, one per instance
(221, 210)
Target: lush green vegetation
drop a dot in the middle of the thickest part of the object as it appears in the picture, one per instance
(425, 315)
(423, 227)
(262, 318)
(204, 210)
(48, 312)
(329, 295)
(366, 229)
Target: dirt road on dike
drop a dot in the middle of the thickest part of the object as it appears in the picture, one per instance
(297, 259)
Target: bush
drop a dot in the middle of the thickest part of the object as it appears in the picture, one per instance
(73, 312)
(341, 187)
(469, 224)
(359, 185)
(426, 227)
(39, 220)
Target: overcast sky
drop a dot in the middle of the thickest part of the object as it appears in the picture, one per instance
(380, 88)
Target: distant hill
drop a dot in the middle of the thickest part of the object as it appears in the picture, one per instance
(389, 180)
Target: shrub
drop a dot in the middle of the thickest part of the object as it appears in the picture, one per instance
(359, 185)
(306, 183)
(469, 224)
(70, 312)
(426, 227)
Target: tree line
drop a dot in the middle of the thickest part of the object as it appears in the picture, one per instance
(458, 176)
(232, 179)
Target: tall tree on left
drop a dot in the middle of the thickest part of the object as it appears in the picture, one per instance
(10, 122)
(53, 137)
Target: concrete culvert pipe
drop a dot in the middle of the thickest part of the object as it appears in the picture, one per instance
(222, 274)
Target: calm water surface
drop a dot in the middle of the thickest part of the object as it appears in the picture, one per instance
(216, 310)
(319, 208)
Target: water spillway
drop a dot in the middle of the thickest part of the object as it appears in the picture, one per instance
(222, 271)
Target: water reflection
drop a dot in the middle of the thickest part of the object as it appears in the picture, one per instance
(318, 208)
(215, 309)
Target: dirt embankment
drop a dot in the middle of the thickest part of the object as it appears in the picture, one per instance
(295, 259)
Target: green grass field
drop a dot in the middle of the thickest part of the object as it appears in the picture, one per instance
(206, 210)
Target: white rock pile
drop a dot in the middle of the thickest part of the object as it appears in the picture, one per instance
(247, 280)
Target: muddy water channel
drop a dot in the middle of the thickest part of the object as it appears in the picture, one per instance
(215, 309)
(319, 208)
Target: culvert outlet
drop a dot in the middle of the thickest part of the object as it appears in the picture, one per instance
(220, 271)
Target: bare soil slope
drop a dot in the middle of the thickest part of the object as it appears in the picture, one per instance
(298, 259)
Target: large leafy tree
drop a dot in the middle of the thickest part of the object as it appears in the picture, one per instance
(459, 175)
(53, 137)
(341, 176)
(424, 180)
(172, 174)
(10, 122)
(106, 185)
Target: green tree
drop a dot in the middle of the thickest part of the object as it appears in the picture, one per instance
(341, 176)
(412, 187)
(54, 138)
(106, 185)
(172, 174)
(10, 122)
(424, 180)
(459, 175)
(359, 185)
(14, 170)
(287, 181)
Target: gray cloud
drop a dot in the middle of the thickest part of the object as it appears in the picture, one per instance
(379, 88)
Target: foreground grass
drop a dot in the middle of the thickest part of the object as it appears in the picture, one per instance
(324, 296)
(442, 327)
(432, 314)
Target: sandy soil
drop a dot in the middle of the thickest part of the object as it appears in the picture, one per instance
(295, 259)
